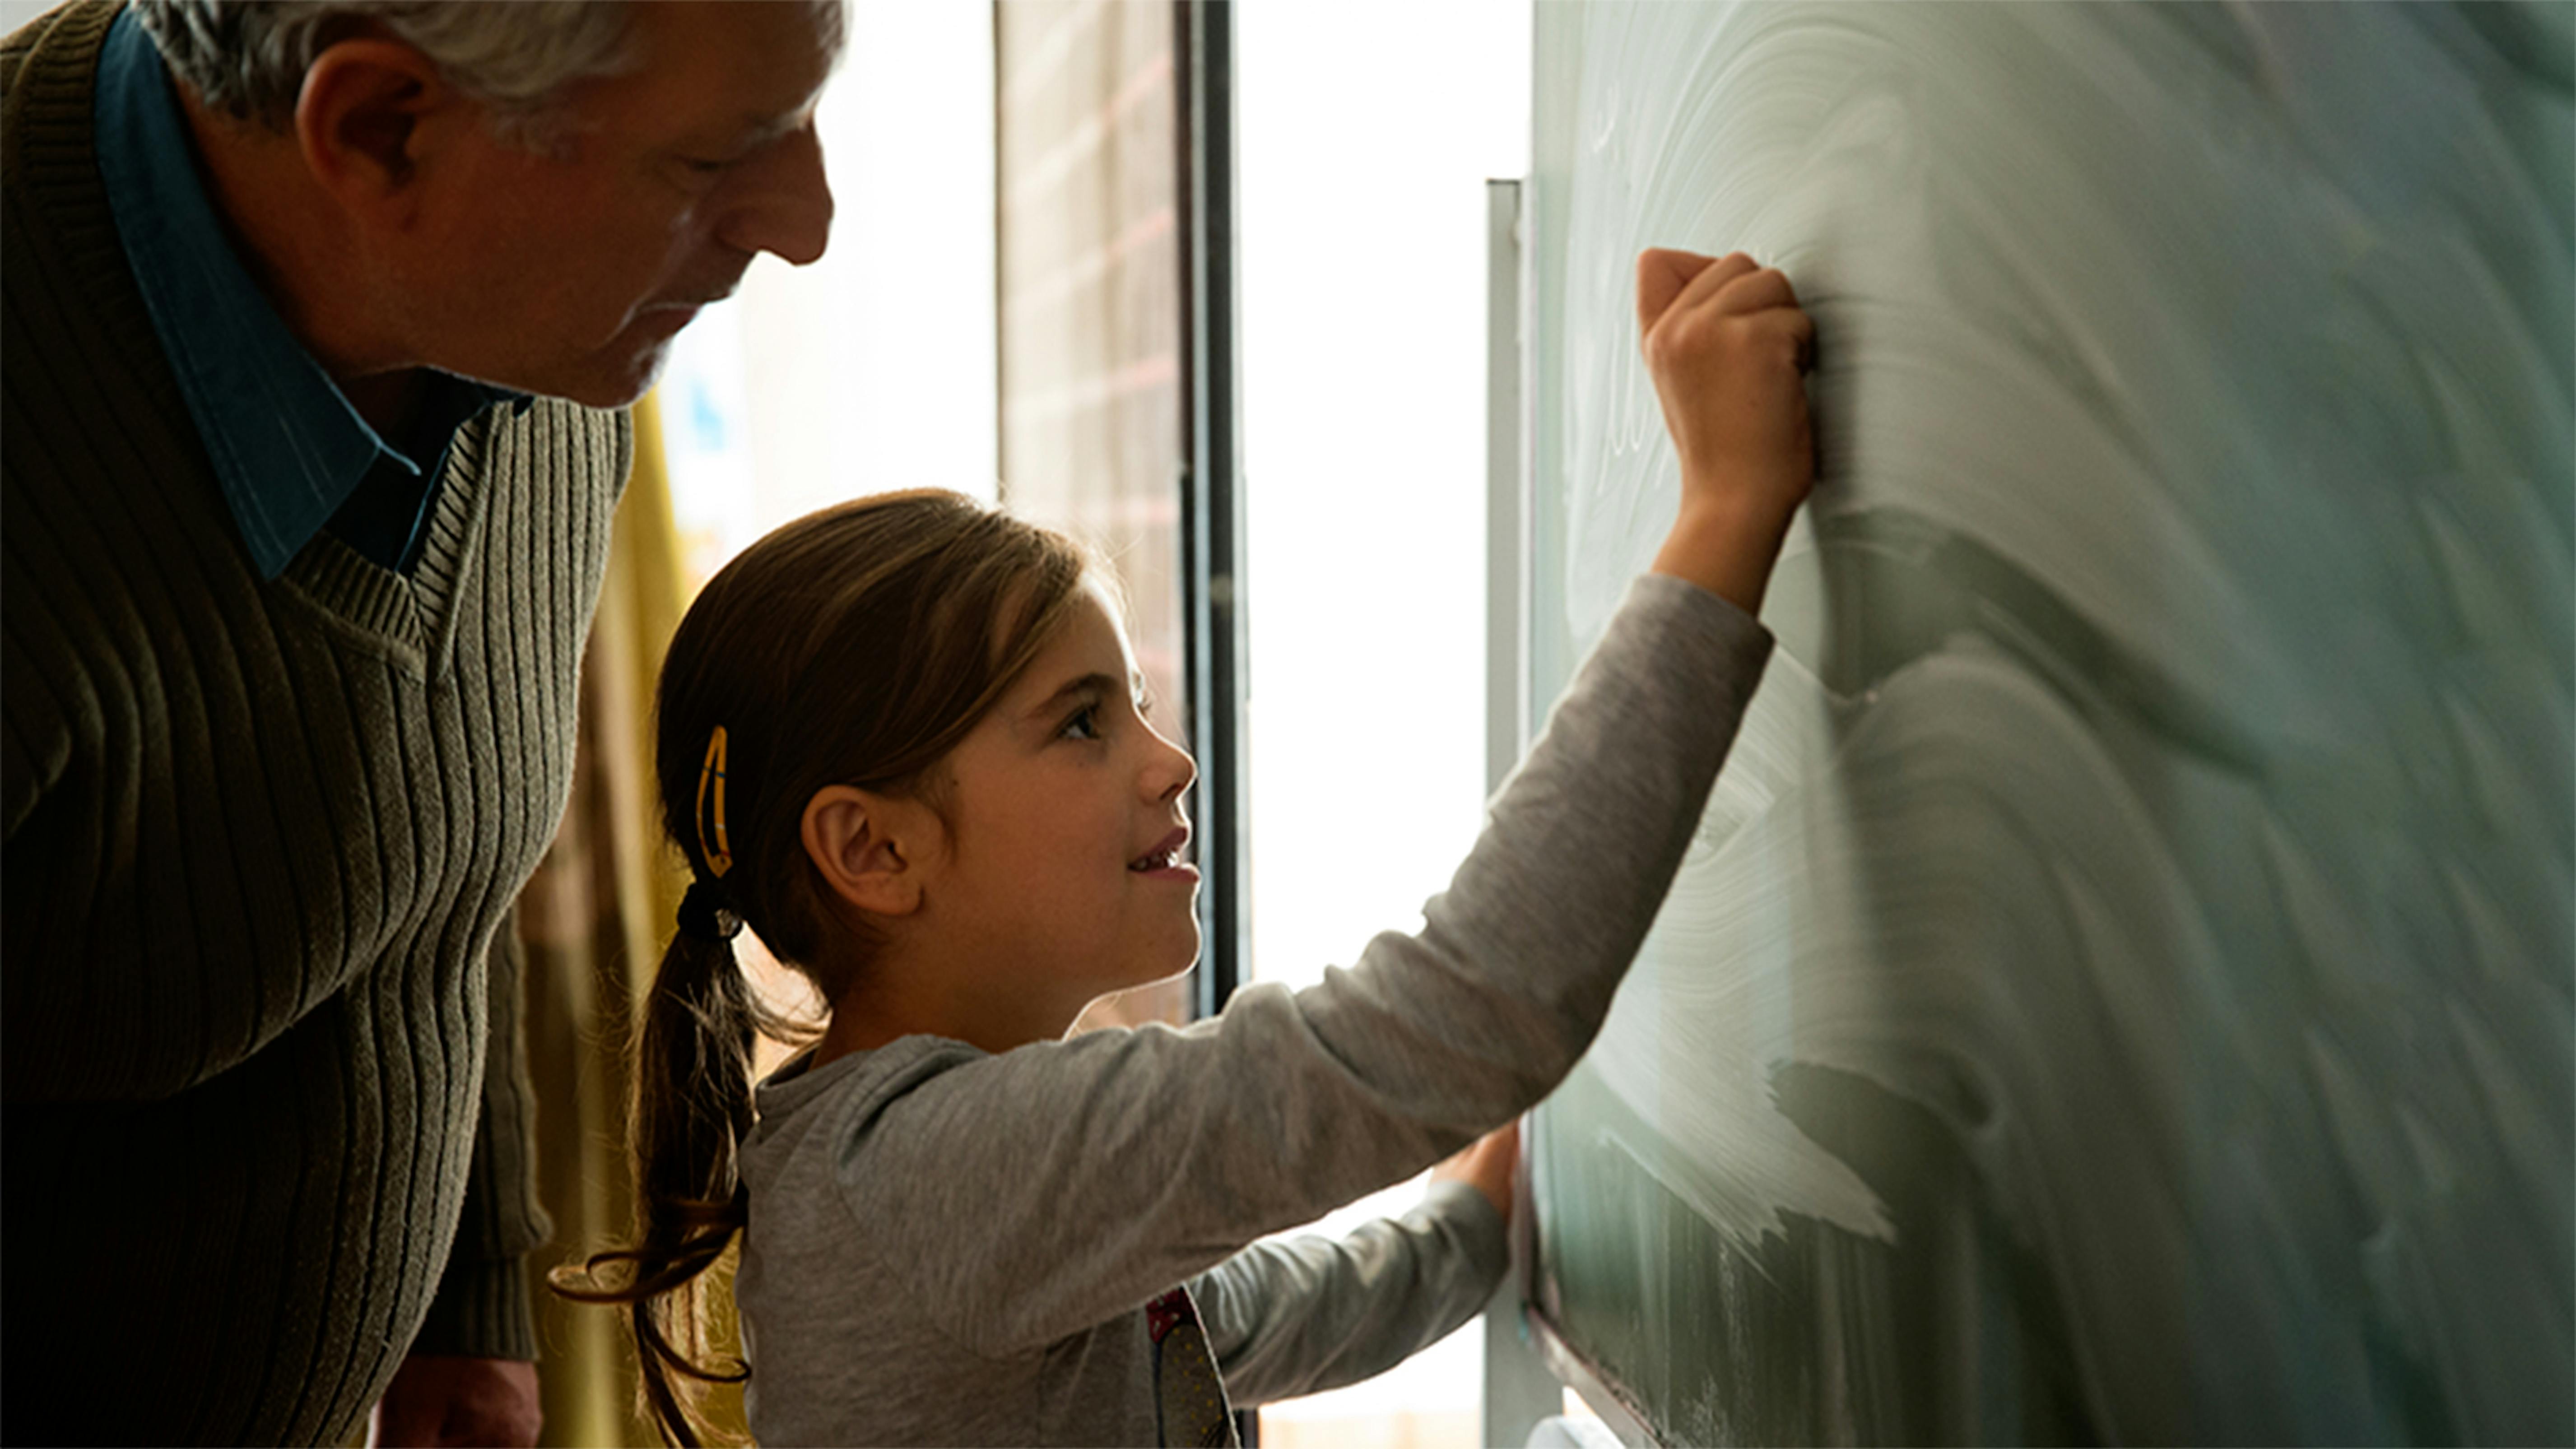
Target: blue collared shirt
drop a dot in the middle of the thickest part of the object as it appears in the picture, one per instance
(290, 453)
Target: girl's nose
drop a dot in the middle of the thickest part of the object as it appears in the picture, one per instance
(1172, 771)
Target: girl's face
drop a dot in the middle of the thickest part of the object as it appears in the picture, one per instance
(1063, 873)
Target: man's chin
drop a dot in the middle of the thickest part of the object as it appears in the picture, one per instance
(627, 384)
(608, 383)
(624, 395)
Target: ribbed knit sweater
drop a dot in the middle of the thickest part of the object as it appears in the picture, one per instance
(262, 844)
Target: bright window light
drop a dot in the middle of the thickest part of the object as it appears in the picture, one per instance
(871, 369)
(1365, 133)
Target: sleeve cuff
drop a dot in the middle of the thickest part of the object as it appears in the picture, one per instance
(1478, 1228)
(1730, 633)
(481, 1311)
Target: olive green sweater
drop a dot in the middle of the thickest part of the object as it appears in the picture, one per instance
(262, 844)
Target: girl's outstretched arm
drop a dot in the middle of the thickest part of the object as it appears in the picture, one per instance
(1297, 1316)
(1096, 1173)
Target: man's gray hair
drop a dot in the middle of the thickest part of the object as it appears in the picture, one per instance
(248, 57)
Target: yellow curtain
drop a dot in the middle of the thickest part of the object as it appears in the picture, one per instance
(593, 921)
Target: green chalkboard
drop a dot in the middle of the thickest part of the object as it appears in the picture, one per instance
(2121, 989)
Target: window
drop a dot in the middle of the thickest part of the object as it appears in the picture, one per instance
(1365, 134)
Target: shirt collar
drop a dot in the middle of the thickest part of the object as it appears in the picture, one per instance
(286, 445)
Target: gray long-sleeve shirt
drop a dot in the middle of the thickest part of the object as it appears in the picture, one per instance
(953, 1247)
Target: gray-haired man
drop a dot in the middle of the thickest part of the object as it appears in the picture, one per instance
(313, 313)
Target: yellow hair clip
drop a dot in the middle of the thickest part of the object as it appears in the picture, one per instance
(713, 845)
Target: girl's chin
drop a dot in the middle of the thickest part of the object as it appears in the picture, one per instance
(1175, 965)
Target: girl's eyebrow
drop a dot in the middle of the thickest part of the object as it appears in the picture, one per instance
(1094, 683)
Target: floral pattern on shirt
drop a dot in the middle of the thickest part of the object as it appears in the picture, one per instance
(1189, 1398)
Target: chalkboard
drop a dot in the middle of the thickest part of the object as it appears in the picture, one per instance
(2121, 988)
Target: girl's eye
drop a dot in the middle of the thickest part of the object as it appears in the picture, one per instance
(1085, 724)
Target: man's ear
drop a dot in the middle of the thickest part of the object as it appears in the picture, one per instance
(870, 849)
(372, 111)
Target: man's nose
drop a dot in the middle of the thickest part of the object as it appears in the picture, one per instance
(783, 202)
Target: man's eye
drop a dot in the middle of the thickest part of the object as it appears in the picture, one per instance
(1084, 725)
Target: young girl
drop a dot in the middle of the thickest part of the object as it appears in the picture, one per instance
(900, 739)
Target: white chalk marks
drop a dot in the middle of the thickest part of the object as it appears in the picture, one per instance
(2168, 782)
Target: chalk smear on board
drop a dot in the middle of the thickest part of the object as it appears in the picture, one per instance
(2166, 777)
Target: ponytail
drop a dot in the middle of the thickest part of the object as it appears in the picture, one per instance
(855, 646)
(692, 1109)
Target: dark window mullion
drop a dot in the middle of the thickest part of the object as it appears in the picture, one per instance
(1211, 514)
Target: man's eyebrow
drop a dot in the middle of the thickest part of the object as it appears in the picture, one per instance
(761, 129)
(754, 130)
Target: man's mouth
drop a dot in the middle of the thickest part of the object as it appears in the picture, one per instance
(689, 304)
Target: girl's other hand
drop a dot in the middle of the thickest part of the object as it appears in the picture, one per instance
(1728, 348)
(1487, 1165)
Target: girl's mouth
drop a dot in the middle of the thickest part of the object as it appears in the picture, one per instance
(1165, 857)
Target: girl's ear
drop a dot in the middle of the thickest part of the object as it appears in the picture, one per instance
(870, 849)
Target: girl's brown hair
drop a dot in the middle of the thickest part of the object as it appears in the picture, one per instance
(854, 646)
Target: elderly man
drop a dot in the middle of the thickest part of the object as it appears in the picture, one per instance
(317, 316)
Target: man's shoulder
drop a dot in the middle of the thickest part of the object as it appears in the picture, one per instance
(21, 42)
(55, 206)
(46, 70)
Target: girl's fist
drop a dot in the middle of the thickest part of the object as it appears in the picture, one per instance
(1728, 346)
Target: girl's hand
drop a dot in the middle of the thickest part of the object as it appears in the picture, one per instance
(1487, 1166)
(1728, 347)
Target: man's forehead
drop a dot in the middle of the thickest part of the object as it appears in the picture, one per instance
(758, 63)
